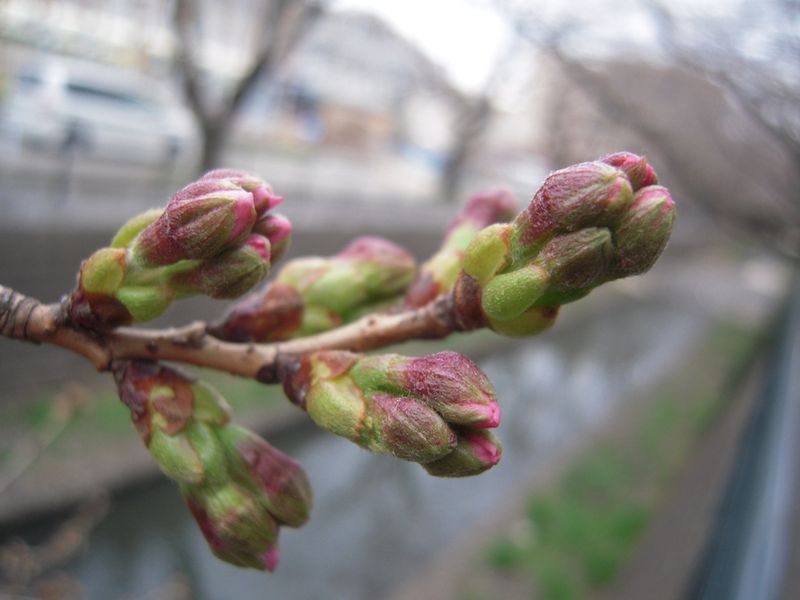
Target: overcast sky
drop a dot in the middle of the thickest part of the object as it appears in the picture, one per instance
(464, 36)
(467, 37)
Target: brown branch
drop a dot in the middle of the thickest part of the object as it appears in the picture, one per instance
(24, 318)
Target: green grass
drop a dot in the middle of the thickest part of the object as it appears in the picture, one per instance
(580, 531)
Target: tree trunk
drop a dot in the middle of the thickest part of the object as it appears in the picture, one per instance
(215, 134)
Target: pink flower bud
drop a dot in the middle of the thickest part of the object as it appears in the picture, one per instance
(639, 172)
(589, 194)
(486, 208)
(235, 523)
(477, 451)
(455, 387)
(439, 273)
(228, 275)
(278, 230)
(282, 480)
(263, 196)
(643, 231)
(269, 315)
(201, 220)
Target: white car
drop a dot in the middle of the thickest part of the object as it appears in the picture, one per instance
(65, 106)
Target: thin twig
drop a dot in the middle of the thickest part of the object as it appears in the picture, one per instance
(26, 319)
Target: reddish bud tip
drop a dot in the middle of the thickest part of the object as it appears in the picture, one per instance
(372, 248)
(264, 198)
(486, 208)
(261, 245)
(636, 167)
(270, 559)
(485, 449)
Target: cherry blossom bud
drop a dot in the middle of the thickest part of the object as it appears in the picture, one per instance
(272, 314)
(238, 487)
(199, 222)
(409, 407)
(263, 196)
(230, 274)
(134, 226)
(439, 273)
(282, 481)
(235, 523)
(643, 231)
(315, 294)
(584, 195)
(476, 452)
(639, 172)
(278, 230)
(584, 227)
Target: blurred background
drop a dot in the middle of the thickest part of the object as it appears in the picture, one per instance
(650, 437)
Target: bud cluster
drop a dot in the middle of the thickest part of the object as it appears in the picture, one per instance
(439, 273)
(435, 410)
(315, 294)
(588, 224)
(239, 488)
(215, 237)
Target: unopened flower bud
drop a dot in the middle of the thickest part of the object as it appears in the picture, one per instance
(384, 267)
(476, 452)
(488, 253)
(145, 302)
(406, 428)
(235, 523)
(282, 481)
(636, 167)
(230, 274)
(643, 231)
(378, 421)
(447, 382)
(575, 262)
(583, 227)
(134, 226)
(200, 221)
(485, 208)
(438, 275)
(263, 196)
(162, 404)
(104, 271)
(269, 315)
(584, 195)
(278, 230)
(409, 407)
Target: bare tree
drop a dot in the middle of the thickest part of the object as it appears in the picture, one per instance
(473, 119)
(746, 178)
(284, 24)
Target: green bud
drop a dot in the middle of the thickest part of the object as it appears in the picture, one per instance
(533, 321)
(145, 302)
(176, 457)
(236, 525)
(103, 272)
(439, 274)
(488, 253)
(209, 405)
(133, 227)
(394, 404)
(283, 483)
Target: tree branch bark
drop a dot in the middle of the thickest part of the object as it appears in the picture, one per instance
(24, 318)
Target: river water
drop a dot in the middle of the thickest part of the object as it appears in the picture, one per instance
(378, 520)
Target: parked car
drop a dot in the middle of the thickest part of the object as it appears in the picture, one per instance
(64, 106)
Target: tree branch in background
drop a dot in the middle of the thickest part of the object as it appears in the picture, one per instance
(285, 24)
